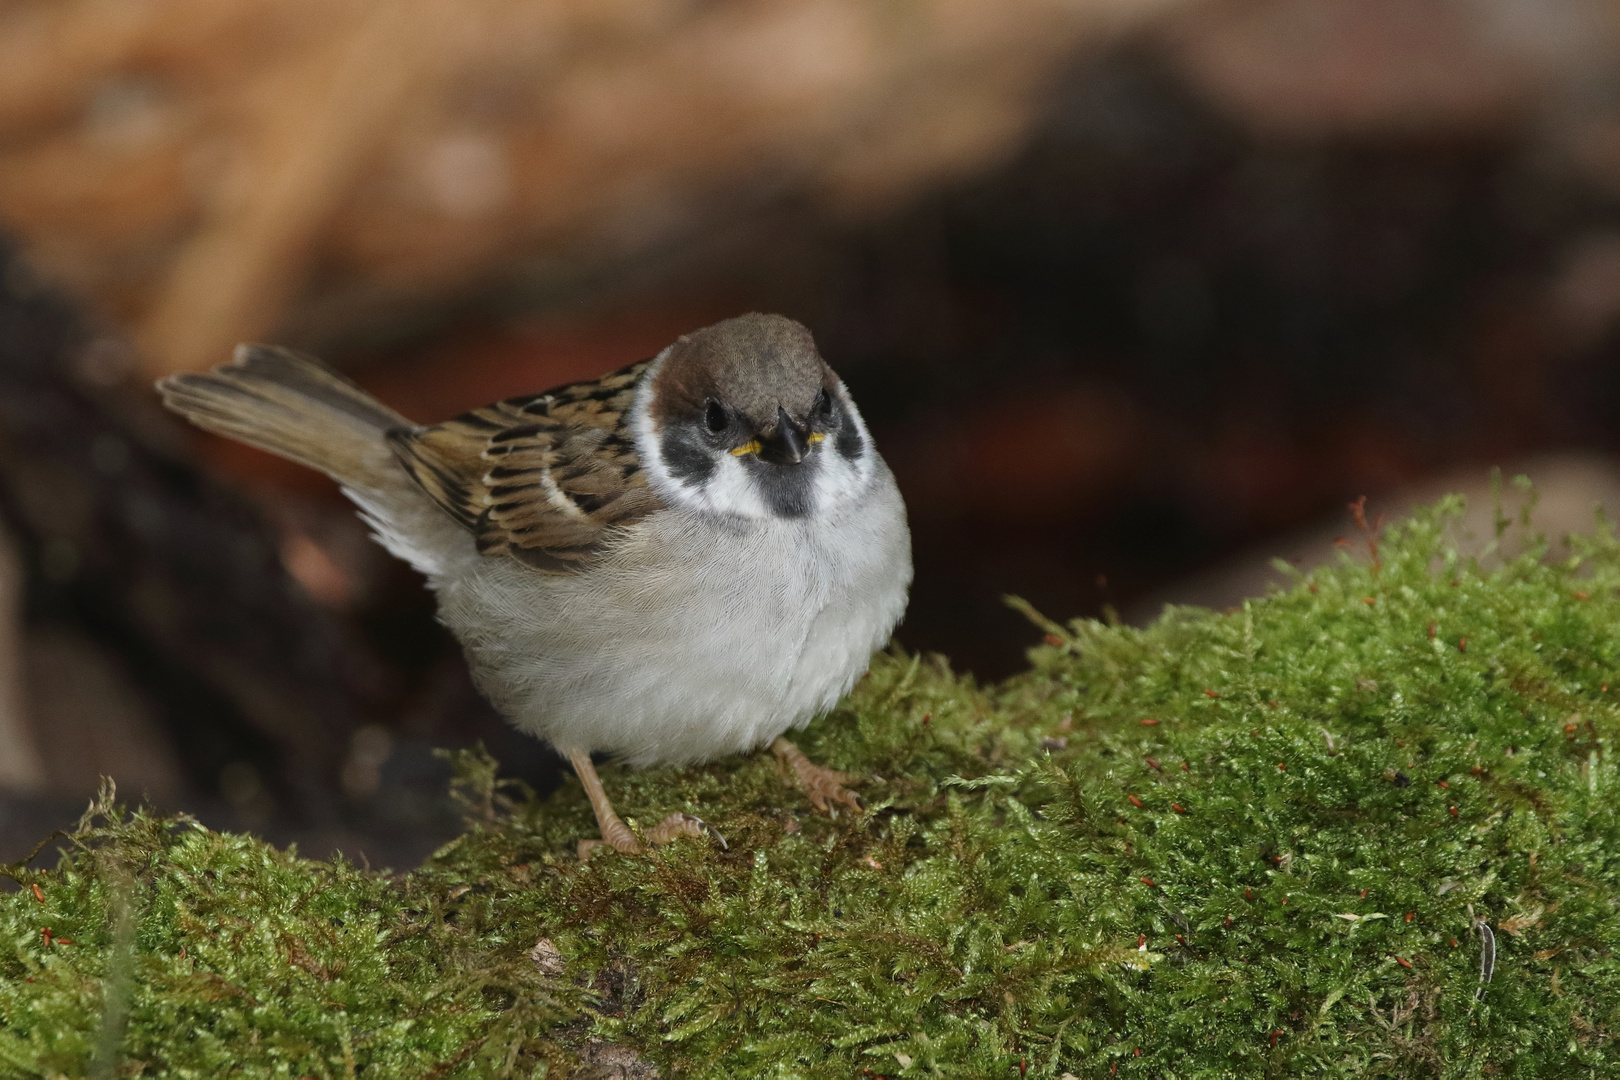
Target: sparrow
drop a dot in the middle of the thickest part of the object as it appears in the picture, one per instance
(684, 559)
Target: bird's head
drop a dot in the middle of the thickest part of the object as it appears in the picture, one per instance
(745, 418)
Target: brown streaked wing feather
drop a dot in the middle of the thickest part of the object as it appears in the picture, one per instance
(542, 477)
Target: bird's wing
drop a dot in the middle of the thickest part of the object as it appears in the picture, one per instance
(544, 478)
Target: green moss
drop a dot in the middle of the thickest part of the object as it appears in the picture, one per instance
(1263, 851)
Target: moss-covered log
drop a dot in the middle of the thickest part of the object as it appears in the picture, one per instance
(1277, 841)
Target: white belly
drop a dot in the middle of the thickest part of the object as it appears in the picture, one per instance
(691, 641)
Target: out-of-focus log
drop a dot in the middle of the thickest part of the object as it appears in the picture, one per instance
(1323, 68)
(233, 277)
(212, 172)
(56, 57)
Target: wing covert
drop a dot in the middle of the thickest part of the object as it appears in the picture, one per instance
(544, 478)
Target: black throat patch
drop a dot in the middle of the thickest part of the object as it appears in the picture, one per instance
(788, 490)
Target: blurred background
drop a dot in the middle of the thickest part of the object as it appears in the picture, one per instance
(1135, 295)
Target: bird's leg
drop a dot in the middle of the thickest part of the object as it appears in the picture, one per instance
(615, 832)
(821, 785)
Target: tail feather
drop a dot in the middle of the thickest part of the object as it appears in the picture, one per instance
(295, 406)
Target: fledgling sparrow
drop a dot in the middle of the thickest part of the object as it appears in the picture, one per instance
(683, 559)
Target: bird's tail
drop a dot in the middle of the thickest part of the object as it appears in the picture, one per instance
(295, 406)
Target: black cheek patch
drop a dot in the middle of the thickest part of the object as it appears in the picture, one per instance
(851, 447)
(686, 459)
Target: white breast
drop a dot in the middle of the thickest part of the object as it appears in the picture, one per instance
(696, 637)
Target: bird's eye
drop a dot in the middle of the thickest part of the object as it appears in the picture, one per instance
(714, 417)
(823, 404)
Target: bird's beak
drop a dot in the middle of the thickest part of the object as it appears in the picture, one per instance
(786, 445)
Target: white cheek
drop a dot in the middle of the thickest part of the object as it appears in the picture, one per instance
(840, 477)
(836, 478)
(729, 490)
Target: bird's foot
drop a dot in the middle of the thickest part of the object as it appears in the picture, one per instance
(617, 835)
(824, 787)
